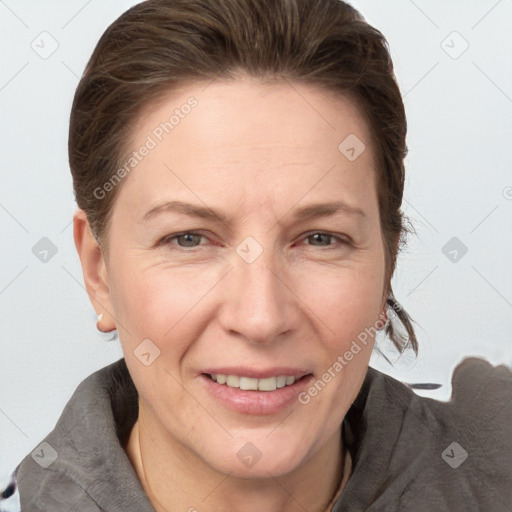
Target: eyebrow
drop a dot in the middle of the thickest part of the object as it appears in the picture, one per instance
(312, 211)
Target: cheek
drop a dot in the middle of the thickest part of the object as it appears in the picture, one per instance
(159, 304)
(347, 302)
(349, 307)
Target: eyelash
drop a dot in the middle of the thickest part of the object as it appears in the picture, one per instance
(168, 239)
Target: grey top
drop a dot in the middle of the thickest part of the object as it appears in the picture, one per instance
(409, 453)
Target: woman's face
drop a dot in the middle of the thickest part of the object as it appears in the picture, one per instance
(279, 284)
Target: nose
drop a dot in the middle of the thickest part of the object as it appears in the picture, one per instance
(259, 305)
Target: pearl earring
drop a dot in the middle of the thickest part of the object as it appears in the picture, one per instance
(106, 335)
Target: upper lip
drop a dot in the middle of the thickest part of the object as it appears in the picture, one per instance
(255, 373)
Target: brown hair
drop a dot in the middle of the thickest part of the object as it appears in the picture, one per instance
(159, 44)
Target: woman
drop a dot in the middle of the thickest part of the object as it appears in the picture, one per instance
(238, 168)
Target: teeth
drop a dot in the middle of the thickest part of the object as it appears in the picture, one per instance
(252, 384)
(233, 381)
(268, 384)
(247, 383)
(281, 381)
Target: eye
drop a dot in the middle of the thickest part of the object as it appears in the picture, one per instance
(186, 239)
(192, 239)
(323, 239)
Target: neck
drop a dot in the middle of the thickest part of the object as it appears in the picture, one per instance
(176, 479)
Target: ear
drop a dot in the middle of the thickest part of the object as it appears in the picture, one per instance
(94, 270)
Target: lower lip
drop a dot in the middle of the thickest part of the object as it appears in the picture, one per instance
(256, 402)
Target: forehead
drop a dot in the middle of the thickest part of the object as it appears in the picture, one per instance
(254, 109)
(244, 135)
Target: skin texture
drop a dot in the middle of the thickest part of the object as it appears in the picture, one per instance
(256, 152)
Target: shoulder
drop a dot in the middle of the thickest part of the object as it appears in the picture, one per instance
(60, 471)
(441, 453)
(481, 392)
(479, 388)
(480, 413)
(470, 437)
(49, 490)
(479, 409)
(480, 404)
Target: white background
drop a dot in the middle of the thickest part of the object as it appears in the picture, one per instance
(459, 184)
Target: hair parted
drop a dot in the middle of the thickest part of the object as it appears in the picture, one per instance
(158, 45)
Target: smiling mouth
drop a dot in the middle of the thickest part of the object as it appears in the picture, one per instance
(253, 384)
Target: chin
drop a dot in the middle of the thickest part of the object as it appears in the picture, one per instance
(260, 459)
